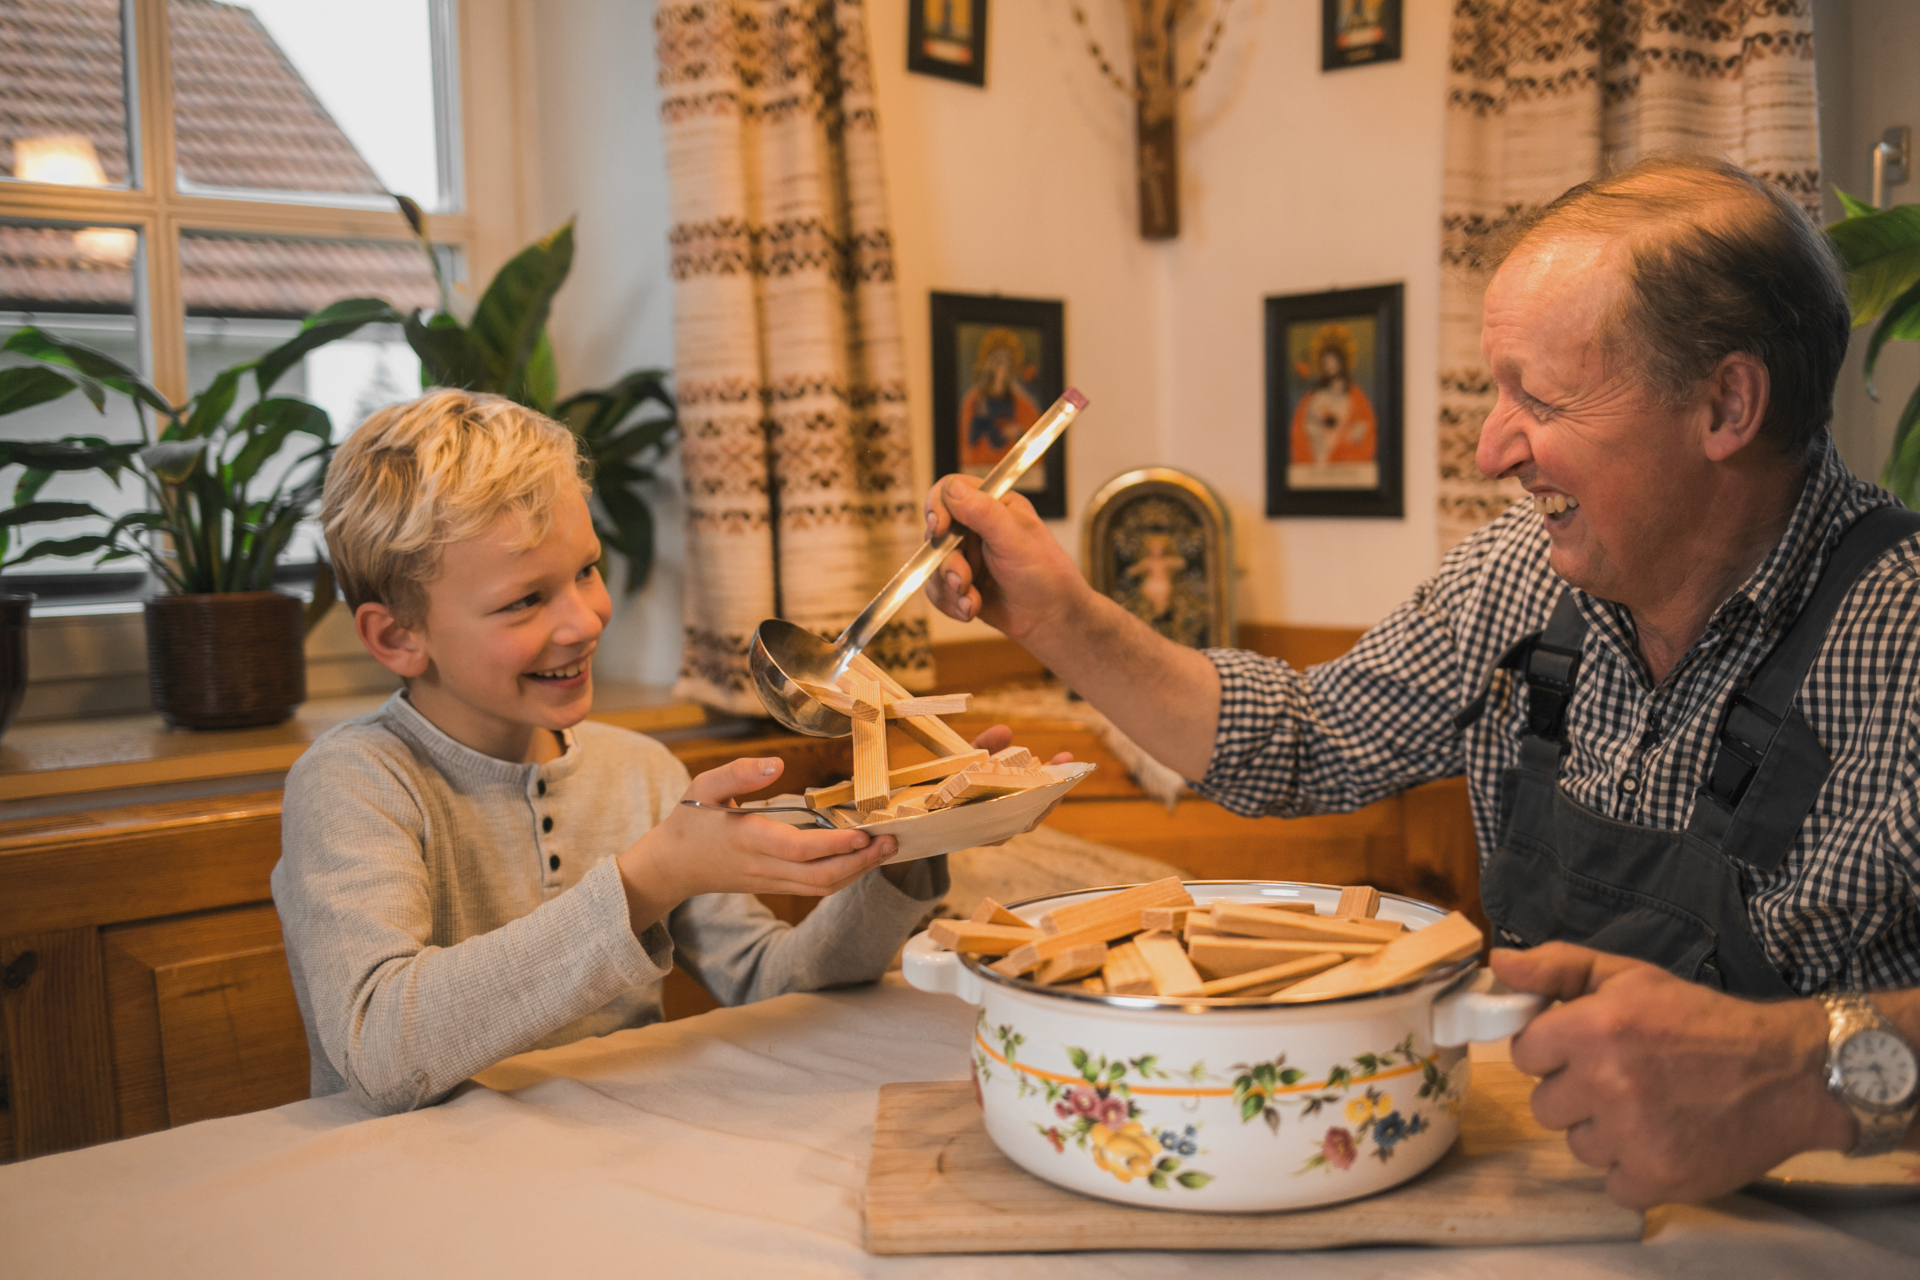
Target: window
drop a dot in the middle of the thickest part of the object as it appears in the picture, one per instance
(182, 181)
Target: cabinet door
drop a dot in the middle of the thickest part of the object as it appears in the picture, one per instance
(203, 1018)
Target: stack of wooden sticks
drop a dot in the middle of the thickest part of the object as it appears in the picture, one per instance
(1154, 940)
(960, 772)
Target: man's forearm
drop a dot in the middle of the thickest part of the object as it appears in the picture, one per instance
(1163, 695)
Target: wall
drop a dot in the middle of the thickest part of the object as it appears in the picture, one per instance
(1292, 181)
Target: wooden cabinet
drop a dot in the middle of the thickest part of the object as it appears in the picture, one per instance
(143, 982)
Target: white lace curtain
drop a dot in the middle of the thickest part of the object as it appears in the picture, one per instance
(1544, 94)
(787, 357)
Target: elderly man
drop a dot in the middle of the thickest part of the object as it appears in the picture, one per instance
(1679, 678)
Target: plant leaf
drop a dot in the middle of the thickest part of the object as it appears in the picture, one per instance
(512, 313)
(32, 384)
(38, 512)
(1902, 321)
(97, 365)
(80, 546)
(448, 355)
(209, 408)
(277, 419)
(173, 460)
(541, 381)
(1902, 473)
(1881, 251)
(329, 324)
(1854, 205)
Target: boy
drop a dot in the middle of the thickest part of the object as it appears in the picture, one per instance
(452, 882)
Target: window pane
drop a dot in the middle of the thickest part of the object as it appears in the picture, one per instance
(75, 283)
(246, 295)
(63, 108)
(334, 101)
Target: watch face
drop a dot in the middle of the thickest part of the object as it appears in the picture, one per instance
(1876, 1069)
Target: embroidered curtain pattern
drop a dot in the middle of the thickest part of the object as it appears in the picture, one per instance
(788, 367)
(1544, 94)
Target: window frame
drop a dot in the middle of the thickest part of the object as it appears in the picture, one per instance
(490, 191)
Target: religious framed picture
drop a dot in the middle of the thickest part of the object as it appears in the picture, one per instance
(997, 364)
(1158, 542)
(1333, 403)
(948, 38)
(1354, 33)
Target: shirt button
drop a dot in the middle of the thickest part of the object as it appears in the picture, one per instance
(540, 787)
(546, 824)
(1630, 783)
(554, 862)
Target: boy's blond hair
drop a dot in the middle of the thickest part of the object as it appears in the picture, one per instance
(416, 476)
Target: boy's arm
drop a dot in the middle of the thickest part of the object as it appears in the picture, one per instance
(740, 952)
(403, 1022)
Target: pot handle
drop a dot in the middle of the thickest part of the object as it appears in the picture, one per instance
(931, 967)
(1483, 1008)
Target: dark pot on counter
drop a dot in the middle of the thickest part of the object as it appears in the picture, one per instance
(228, 661)
(13, 655)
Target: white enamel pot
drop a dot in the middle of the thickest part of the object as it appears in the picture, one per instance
(1224, 1106)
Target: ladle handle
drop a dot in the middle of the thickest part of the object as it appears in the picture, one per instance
(1025, 452)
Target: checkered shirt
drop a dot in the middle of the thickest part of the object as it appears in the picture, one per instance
(1840, 912)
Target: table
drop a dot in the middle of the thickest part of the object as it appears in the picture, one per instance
(730, 1144)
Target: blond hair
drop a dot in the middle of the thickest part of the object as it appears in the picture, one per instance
(417, 476)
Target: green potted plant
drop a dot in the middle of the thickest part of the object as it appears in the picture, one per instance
(1881, 250)
(223, 648)
(503, 348)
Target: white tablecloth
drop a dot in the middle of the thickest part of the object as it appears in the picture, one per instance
(732, 1144)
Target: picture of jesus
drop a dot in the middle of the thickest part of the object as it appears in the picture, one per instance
(1334, 431)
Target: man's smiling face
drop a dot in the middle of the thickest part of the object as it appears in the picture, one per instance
(509, 634)
(1609, 463)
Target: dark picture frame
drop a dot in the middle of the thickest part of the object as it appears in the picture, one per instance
(1356, 33)
(1334, 403)
(948, 38)
(990, 383)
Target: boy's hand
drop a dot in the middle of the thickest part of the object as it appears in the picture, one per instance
(691, 852)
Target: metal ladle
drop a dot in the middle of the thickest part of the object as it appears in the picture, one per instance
(784, 655)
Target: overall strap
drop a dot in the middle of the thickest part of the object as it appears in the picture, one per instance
(1755, 714)
(1551, 679)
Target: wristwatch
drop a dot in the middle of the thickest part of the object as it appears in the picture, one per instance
(1872, 1070)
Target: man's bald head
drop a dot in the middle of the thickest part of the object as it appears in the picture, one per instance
(1714, 261)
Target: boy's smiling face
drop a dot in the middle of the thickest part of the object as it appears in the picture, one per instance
(506, 646)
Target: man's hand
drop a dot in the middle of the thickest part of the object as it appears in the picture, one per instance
(1679, 1092)
(1009, 572)
(691, 852)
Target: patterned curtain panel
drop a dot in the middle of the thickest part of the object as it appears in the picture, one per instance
(1543, 94)
(796, 451)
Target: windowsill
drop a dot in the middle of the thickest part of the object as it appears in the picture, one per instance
(109, 753)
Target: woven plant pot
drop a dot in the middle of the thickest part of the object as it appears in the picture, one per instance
(13, 655)
(225, 661)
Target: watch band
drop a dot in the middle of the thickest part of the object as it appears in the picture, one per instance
(1880, 1128)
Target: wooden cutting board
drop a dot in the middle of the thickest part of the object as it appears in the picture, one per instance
(937, 1184)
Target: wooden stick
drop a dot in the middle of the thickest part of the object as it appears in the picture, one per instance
(1251, 922)
(1031, 955)
(1122, 907)
(1358, 900)
(905, 775)
(828, 696)
(1227, 957)
(870, 781)
(931, 732)
(1077, 963)
(1173, 974)
(991, 912)
(980, 939)
(1402, 960)
(971, 784)
(1170, 919)
(1014, 758)
(1096, 984)
(911, 802)
(1126, 973)
(945, 704)
(1262, 982)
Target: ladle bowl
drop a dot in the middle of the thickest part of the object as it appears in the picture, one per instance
(785, 655)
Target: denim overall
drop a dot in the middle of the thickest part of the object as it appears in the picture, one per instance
(1563, 871)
